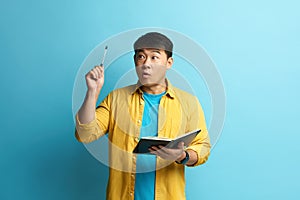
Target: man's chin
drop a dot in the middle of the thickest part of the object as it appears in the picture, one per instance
(148, 83)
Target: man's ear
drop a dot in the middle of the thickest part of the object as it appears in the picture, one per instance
(170, 62)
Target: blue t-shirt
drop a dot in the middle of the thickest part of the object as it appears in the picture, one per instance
(145, 167)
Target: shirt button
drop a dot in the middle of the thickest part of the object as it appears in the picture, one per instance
(139, 121)
(141, 103)
(136, 139)
(130, 193)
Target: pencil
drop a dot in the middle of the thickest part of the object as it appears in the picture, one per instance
(104, 55)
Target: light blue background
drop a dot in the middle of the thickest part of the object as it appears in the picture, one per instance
(255, 45)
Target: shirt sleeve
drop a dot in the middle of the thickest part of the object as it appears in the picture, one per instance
(91, 131)
(201, 144)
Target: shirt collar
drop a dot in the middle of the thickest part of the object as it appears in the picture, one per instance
(170, 89)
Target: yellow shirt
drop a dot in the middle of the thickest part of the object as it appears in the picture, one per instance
(120, 115)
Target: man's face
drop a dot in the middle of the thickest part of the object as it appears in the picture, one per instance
(151, 66)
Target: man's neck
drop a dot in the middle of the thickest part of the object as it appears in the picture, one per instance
(155, 88)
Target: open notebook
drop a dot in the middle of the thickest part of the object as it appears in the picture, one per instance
(146, 142)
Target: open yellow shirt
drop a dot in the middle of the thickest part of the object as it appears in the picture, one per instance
(120, 115)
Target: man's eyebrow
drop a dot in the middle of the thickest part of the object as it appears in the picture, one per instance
(143, 51)
(156, 51)
(140, 51)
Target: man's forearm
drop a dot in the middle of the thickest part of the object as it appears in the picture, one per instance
(86, 113)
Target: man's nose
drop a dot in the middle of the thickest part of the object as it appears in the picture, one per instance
(147, 63)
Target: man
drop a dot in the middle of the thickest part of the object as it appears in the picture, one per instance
(152, 107)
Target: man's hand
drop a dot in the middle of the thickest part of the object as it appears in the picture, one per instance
(169, 154)
(95, 79)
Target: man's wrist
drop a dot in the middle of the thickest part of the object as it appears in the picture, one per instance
(184, 158)
(91, 92)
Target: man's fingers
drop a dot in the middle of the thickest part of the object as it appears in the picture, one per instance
(100, 71)
(93, 75)
(160, 151)
(180, 145)
(167, 153)
(97, 72)
(155, 150)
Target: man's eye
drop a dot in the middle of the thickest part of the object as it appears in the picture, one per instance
(154, 57)
(141, 56)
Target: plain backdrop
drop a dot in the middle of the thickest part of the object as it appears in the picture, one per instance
(255, 45)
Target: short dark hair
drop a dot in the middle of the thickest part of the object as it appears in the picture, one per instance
(154, 40)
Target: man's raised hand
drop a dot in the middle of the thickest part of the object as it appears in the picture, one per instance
(95, 78)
